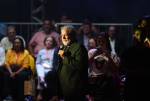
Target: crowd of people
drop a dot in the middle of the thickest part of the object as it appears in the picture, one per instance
(71, 64)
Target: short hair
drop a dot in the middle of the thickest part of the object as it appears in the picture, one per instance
(11, 27)
(51, 24)
(70, 31)
(54, 41)
(88, 23)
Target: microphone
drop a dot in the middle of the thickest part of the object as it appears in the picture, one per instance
(61, 47)
(65, 49)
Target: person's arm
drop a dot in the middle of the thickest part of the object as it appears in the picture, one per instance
(7, 61)
(38, 58)
(25, 64)
(113, 66)
(32, 44)
(2, 56)
(3, 43)
(21, 69)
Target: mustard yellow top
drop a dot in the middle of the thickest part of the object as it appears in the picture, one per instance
(32, 64)
(21, 59)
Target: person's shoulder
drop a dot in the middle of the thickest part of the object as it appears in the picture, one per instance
(56, 49)
(79, 46)
(10, 51)
(38, 33)
(76, 44)
(2, 49)
(54, 32)
(4, 39)
(26, 51)
(42, 51)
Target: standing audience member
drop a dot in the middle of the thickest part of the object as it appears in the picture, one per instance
(73, 66)
(36, 42)
(115, 44)
(85, 32)
(46, 65)
(102, 73)
(16, 71)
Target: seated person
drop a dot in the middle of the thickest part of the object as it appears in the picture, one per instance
(36, 42)
(16, 71)
(46, 68)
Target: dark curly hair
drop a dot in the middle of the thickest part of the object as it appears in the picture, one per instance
(22, 46)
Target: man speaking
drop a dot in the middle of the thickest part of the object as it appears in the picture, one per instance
(73, 67)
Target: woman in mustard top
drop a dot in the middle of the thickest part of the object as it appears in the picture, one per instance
(17, 70)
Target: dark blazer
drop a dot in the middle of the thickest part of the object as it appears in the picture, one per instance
(55, 59)
(80, 38)
(120, 45)
(73, 71)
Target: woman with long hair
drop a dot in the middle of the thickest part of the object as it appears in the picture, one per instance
(16, 71)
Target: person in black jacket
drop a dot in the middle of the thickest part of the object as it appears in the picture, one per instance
(73, 69)
(135, 63)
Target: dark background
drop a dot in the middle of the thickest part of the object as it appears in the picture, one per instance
(96, 10)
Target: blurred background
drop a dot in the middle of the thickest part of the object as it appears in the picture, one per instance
(96, 10)
(28, 15)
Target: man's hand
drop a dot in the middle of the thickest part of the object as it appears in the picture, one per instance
(13, 75)
(61, 53)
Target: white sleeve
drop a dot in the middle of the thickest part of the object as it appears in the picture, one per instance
(38, 58)
(2, 56)
(3, 42)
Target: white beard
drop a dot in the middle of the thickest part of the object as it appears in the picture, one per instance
(65, 43)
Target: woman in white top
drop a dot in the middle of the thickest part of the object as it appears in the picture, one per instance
(46, 64)
(2, 55)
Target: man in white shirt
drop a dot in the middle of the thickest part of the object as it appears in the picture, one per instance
(7, 41)
(115, 45)
(112, 39)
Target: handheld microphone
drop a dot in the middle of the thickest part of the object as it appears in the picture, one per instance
(61, 47)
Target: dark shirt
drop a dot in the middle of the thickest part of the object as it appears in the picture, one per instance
(136, 64)
(73, 71)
